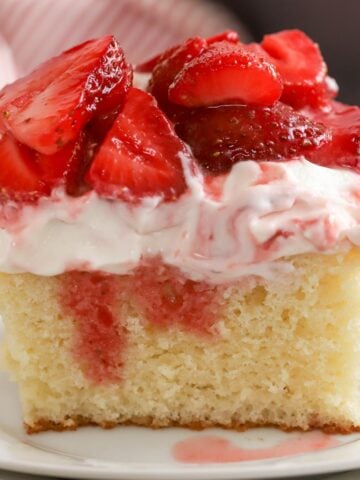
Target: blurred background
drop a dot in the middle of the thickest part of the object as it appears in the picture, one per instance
(33, 30)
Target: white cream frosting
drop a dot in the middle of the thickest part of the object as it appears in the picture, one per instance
(244, 225)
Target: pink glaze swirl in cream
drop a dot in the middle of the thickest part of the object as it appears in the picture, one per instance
(218, 231)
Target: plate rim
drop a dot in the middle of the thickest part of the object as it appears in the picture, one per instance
(281, 467)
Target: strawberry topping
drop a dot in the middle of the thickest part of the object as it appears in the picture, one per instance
(140, 155)
(67, 166)
(228, 36)
(20, 177)
(316, 96)
(222, 136)
(77, 123)
(344, 123)
(226, 73)
(171, 64)
(149, 65)
(297, 57)
(25, 174)
(47, 109)
(301, 65)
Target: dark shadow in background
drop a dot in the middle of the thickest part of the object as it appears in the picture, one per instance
(334, 24)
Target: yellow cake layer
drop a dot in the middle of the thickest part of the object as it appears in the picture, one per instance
(287, 354)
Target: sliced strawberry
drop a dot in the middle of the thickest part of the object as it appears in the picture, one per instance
(224, 73)
(315, 96)
(20, 177)
(141, 154)
(35, 174)
(257, 49)
(170, 65)
(222, 136)
(303, 94)
(47, 109)
(66, 167)
(228, 36)
(300, 64)
(344, 123)
(297, 57)
(149, 65)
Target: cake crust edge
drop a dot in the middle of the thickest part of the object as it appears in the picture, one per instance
(73, 423)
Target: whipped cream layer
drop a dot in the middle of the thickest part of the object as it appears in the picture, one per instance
(241, 224)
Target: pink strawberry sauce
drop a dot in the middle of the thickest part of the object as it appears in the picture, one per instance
(166, 297)
(90, 299)
(214, 449)
(160, 294)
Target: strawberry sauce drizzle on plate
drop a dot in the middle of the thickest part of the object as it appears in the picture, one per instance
(215, 449)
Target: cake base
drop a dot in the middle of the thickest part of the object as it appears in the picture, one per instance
(284, 353)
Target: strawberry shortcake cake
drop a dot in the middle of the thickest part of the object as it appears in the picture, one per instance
(180, 240)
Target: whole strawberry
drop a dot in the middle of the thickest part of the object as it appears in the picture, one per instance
(221, 136)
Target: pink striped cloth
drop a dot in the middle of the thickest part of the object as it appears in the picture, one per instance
(33, 30)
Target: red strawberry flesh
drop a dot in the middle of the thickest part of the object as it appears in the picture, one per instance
(67, 166)
(47, 109)
(301, 65)
(226, 73)
(222, 96)
(141, 154)
(26, 174)
(314, 96)
(221, 136)
(170, 65)
(228, 36)
(344, 123)
(149, 65)
(297, 57)
(20, 178)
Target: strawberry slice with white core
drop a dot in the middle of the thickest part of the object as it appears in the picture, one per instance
(141, 154)
(226, 73)
(47, 109)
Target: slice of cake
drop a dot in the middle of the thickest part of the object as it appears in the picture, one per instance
(186, 253)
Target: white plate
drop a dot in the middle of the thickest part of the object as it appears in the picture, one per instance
(137, 453)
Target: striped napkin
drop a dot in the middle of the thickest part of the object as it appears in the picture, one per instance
(32, 31)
